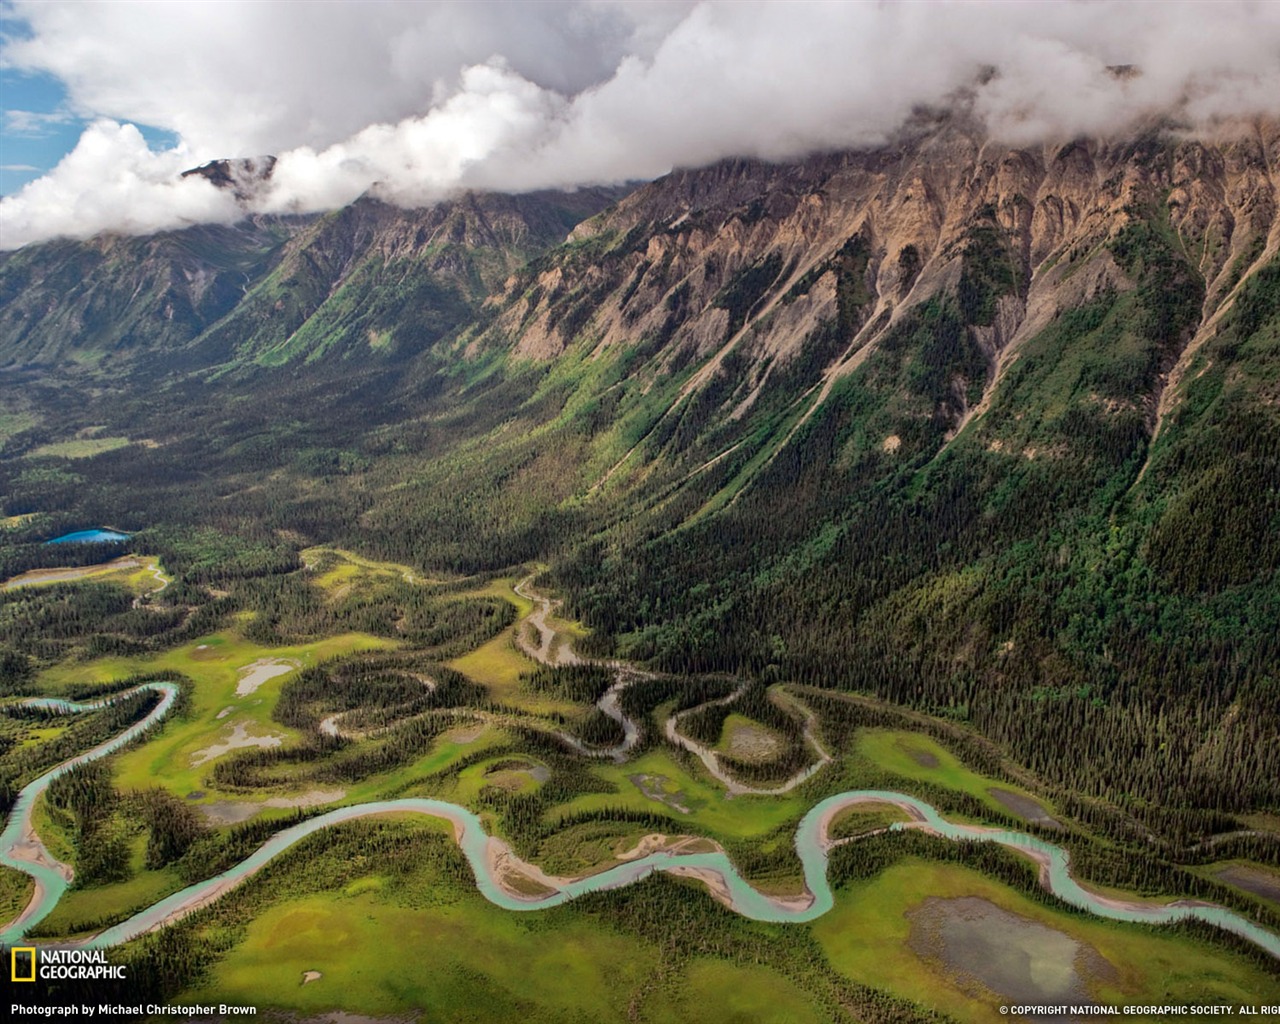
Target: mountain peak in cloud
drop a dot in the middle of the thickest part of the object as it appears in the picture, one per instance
(245, 177)
(434, 98)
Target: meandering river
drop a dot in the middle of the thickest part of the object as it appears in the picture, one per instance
(22, 849)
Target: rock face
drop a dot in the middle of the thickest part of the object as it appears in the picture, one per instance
(916, 274)
(112, 298)
(742, 257)
(242, 176)
(753, 260)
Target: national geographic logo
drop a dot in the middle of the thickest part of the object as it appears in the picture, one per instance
(26, 963)
(22, 968)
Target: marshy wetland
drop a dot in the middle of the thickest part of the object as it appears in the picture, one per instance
(987, 948)
(432, 812)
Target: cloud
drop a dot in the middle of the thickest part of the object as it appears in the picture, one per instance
(412, 101)
(236, 78)
(34, 124)
(111, 181)
(19, 167)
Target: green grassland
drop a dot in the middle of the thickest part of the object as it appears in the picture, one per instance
(18, 521)
(483, 963)
(93, 902)
(499, 664)
(432, 775)
(716, 990)
(147, 577)
(591, 960)
(337, 577)
(860, 819)
(35, 736)
(12, 423)
(915, 756)
(866, 938)
(503, 588)
(465, 959)
(214, 664)
(80, 448)
(587, 847)
(512, 775)
(84, 910)
(338, 566)
(709, 810)
(144, 577)
(54, 831)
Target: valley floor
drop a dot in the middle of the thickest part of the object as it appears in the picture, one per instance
(576, 766)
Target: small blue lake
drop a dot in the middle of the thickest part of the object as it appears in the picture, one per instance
(89, 537)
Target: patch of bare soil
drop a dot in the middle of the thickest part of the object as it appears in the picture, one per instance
(465, 734)
(1255, 880)
(752, 743)
(58, 575)
(658, 843)
(253, 676)
(516, 876)
(232, 812)
(923, 758)
(1024, 807)
(239, 738)
(651, 786)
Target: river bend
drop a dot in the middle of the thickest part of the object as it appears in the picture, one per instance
(22, 849)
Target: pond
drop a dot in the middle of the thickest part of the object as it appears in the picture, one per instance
(983, 947)
(90, 537)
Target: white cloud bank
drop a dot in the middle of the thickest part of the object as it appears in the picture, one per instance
(413, 100)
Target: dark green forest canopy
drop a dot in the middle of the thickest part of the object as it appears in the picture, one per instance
(1087, 575)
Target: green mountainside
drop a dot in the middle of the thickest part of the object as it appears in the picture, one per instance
(993, 433)
(368, 278)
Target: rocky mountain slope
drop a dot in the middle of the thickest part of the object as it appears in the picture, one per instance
(368, 278)
(989, 431)
(755, 273)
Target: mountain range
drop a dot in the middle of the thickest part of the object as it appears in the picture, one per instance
(991, 431)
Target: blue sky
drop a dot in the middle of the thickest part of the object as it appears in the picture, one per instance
(35, 129)
(39, 126)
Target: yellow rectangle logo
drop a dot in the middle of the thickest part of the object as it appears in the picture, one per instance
(13, 962)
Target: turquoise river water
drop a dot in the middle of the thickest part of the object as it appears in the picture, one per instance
(21, 849)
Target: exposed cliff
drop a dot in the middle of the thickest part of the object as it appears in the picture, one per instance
(746, 269)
